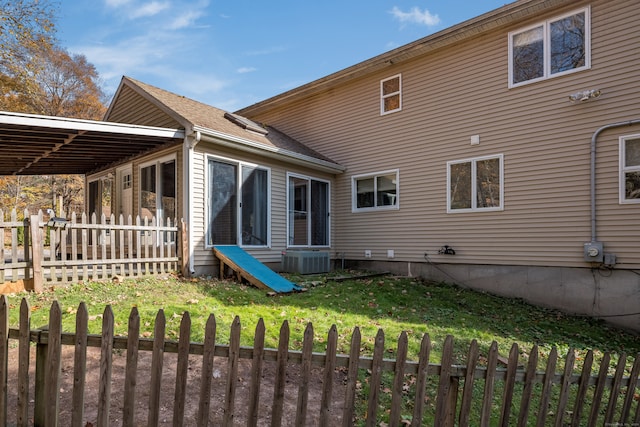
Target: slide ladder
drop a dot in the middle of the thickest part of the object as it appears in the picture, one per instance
(253, 271)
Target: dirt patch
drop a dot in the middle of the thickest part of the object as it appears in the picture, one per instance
(167, 392)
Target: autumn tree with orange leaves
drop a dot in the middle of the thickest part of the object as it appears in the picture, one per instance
(38, 76)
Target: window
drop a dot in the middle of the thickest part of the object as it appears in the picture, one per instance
(308, 211)
(99, 197)
(554, 47)
(375, 191)
(630, 169)
(391, 94)
(126, 181)
(475, 184)
(238, 204)
(158, 189)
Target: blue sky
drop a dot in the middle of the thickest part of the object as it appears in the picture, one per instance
(234, 53)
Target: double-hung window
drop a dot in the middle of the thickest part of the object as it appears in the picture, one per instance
(391, 94)
(557, 46)
(475, 184)
(377, 191)
(630, 169)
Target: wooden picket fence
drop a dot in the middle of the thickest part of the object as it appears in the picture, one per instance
(351, 386)
(37, 252)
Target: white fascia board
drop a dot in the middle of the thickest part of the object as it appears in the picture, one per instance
(248, 145)
(87, 125)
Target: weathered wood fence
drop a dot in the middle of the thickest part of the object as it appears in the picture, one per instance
(422, 393)
(37, 251)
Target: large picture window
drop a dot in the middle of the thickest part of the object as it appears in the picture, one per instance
(475, 184)
(630, 169)
(554, 47)
(238, 206)
(377, 191)
(308, 211)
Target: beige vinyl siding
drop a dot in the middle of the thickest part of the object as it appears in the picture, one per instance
(133, 108)
(454, 93)
(204, 260)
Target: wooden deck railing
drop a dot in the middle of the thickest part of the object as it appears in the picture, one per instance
(369, 391)
(37, 253)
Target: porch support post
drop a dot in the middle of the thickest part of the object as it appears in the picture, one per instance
(37, 246)
(183, 235)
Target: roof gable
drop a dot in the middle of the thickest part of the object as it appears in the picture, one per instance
(131, 106)
(140, 103)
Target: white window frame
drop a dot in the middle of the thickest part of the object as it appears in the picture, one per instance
(374, 175)
(288, 201)
(625, 169)
(207, 194)
(474, 200)
(157, 162)
(546, 25)
(384, 96)
(100, 180)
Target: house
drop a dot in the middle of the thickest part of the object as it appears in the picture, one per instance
(228, 177)
(500, 154)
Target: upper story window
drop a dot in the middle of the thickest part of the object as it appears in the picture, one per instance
(391, 94)
(375, 191)
(630, 169)
(475, 184)
(557, 46)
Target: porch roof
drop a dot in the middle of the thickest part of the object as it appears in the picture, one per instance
(45, 145)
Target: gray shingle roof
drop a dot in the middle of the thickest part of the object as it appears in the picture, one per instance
(192, 113)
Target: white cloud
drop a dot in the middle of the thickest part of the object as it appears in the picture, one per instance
(185, 20)
(149, 58)
(415, 16)
(116, 3)
(243, 70)
(266, 51)
(149, 9)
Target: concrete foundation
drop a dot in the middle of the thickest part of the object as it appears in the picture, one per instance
(611, 295)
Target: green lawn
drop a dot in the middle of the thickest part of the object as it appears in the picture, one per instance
(393, 304)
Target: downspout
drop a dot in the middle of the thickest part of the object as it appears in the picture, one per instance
(594, 138)
(191, 141)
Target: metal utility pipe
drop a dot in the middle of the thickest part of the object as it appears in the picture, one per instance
(593, 169)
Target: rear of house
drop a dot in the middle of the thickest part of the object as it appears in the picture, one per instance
(233, 181)
(468, 155)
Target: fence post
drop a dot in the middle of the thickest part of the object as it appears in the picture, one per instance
(452, 401)
(42, 350)
(184, 248)
(36, 244)
(28, 279)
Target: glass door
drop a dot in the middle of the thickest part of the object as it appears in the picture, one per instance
(308, 212)
(223, 203)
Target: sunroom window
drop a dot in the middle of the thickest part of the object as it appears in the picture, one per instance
(377, 191)
(238, 203)
(391, 94)
(554, 47)
(630, 169)
(158, 189)
(475, 184)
